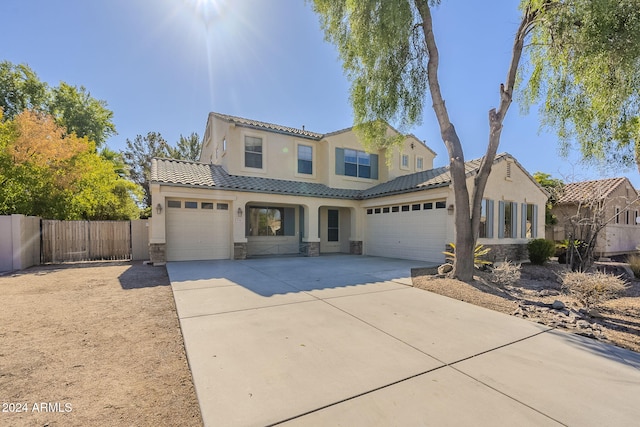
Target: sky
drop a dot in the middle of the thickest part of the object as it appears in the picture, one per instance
(163, 65)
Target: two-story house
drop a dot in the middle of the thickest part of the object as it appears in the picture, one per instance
(266, 189)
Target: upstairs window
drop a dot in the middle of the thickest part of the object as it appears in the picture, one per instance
(253, 152)
(419, 163)
(404, 163)
(305, 159)
(356, 163)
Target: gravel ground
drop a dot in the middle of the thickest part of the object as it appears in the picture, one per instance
(616, 321)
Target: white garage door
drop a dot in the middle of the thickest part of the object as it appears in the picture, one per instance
(414, 231)
(198, 230)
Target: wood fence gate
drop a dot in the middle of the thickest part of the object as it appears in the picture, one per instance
(64, 241)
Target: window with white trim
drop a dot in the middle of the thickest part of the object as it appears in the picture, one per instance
(253, 152)
(404, 162)
(419, 163)
(305, 159)
(357, 163)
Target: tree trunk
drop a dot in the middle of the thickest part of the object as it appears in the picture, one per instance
(468, 211)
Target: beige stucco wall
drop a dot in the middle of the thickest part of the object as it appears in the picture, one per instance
(280, 159)
(519, 188)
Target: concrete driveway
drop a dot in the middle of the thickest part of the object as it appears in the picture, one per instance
(343, 340)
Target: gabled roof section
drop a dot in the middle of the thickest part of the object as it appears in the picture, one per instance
(255, 124)
(599, 189)
(433, 178)
(182, 173)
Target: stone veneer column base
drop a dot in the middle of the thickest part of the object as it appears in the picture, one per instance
(239, 250)
(158, 253)
(355, 247)
(313, 249)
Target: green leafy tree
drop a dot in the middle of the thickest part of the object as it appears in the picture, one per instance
(137, 157)
(554, 187)
(188, 148)
(20, 89)
(391, 57)
(76, 110)
(72, 107)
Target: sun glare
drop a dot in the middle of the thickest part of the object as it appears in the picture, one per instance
(208, 11)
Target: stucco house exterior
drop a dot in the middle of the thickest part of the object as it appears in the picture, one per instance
(266, 189)
(616, 204)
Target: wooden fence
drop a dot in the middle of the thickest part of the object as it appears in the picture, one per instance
(64, 241)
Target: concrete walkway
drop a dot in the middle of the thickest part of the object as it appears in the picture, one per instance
(342, 340)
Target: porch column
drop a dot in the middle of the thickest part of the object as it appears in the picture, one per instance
(157, 226)
(311, 221)
(239, 214)
(357, 231)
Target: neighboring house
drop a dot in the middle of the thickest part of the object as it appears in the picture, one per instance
(612, 202)
(264, 189)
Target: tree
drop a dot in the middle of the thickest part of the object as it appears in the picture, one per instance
(73, 108)
(187, 148)
(76, 110)
(44, 171)
(138, 155)
(390, 54)
(20, 89)
(553, 186)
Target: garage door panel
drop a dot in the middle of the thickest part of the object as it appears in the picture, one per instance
(418, 235)
(197, 234)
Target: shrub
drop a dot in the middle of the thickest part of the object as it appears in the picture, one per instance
(540, 250)
(634, 264)
(505, 274)
(591, 289)
(478, 253)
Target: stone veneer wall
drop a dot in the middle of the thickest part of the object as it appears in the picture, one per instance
(355, 247)
(240, 250)
(510, 252)
(158, 253)
(313, 249)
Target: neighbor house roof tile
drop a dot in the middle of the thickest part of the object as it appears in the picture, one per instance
(576, 192)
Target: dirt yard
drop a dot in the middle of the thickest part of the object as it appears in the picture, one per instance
(616, 321)
(93, 344)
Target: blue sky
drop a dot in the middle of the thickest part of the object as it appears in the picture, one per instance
(163, 65)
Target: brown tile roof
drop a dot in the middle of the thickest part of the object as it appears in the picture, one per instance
(255, 124)
(193, 174)
(590, 190)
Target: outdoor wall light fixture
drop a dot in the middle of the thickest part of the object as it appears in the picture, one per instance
(450, 209)
(239, 212)
(158, 208)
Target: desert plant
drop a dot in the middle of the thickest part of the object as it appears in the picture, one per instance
(478, 253)
(634, 264)
(540, 250)
(591, 289)
(505, 274)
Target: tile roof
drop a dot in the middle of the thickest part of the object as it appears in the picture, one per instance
(255, 124)
(590, 190)
(193, 174)
(433, 178)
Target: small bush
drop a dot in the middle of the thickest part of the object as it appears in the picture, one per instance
(478, 253)
(591, 289)
(634, 264)
(505, 274)
(540, 250)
